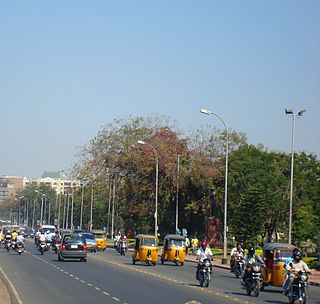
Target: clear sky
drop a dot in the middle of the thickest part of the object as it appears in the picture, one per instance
(69, 67)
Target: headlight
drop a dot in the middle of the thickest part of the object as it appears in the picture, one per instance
(304, 277)
(207, 264)
(256, 268)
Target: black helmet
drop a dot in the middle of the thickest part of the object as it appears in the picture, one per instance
(251, 250)
(297, 255)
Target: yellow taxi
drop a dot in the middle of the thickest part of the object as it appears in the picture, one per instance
(101, 239)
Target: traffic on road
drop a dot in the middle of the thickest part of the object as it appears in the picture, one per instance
(48, 270)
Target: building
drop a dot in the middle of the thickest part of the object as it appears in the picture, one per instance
(10, 185)
(54, 180)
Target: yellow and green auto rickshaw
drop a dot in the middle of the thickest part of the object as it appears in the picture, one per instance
(145, 249)
(274, 256)
(101, 239)
(174, 249)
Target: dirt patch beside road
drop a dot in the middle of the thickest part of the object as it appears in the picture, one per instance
(4, 294)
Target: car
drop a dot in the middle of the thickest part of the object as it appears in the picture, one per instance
(90, 241)
(73, 246)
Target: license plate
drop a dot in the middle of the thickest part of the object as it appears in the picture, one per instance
(74, 246)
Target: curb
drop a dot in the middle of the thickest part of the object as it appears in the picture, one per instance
(14, 296)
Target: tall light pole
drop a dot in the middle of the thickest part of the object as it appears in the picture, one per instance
(81, 206)
(177, 193)
(91, 208)
(224, 260)
(42, 201)
(294, 115)
(157, 174)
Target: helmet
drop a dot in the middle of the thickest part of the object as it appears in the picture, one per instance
(204, 244)
(297, 255)
(251, 250)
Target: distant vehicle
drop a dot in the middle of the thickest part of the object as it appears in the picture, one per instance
(101, 239)
(90, 241)
(73, 246)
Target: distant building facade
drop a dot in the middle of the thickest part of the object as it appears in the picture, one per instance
(10, 185)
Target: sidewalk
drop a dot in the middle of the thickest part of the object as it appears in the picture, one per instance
(314, 277)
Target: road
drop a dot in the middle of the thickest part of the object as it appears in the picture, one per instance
(108, 277)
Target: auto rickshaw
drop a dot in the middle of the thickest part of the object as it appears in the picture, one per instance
(145, 249)
(101, 239)
(274, 256)
(174, 249)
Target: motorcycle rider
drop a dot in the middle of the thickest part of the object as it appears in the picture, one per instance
(20, 238)
(293, 266)
(36, 238)
(251, 258)
(235, 252)
(7, 238)
(204, 252)
(14, 235)
(122, 242)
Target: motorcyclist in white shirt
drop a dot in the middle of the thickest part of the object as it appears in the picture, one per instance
(204, 252)
(20, 238)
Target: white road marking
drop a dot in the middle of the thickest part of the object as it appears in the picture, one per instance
(116, 299)
(97, 288)
(107, 294)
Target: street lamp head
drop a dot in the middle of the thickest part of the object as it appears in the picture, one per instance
(301, 112)
(288, 111)
(205, 111)
(141, 142)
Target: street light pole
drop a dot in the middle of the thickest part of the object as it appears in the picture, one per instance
(294, 115)
(177, 193)
(224, 260)
(41, 211)
(157, 178)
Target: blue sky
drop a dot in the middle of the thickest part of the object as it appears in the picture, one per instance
(69, 67)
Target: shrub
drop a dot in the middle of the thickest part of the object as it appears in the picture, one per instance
(315, 265)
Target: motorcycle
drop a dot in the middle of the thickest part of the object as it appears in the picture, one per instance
(123, 247)
(253, 279)
(42, 247)
(238, 266)
(19, 247)
(7, 244)
(298, 287)
(204, 272)
(116, 245)
(13, 244)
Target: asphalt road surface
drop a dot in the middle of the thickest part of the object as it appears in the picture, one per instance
(108, 277)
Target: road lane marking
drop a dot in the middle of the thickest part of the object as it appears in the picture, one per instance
(216, 293)
(76, 278)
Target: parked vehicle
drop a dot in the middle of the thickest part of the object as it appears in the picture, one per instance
(205, 272)
(73, 246)
(274, 256)
(297, 291)
(252, 279)
(174, 249)
(145, 249)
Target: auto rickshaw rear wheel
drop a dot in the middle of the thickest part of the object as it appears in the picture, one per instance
(133, 261)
